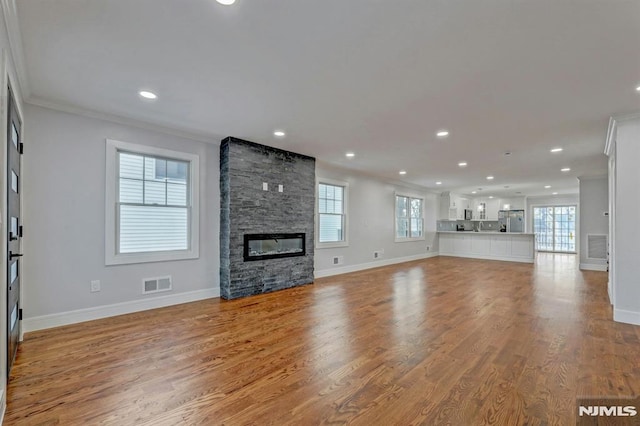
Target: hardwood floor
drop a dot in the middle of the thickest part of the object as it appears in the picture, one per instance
(439, 341)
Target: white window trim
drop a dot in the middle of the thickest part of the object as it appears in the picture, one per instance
(395, 218)
(111, 257)
(345, 207)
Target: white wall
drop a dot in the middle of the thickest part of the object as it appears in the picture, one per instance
(371, 207)
(594, 199)
(64, 242)
(626, 237)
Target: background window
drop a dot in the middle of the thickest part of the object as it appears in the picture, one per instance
(331, 213)
(152, 204)
(409, 221)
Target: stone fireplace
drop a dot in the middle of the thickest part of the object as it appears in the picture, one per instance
(267, 199)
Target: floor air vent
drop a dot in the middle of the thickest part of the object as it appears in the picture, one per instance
(596, 246)
(155, 285)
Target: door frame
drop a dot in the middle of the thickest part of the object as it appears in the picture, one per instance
(7, 78)
(577, 223)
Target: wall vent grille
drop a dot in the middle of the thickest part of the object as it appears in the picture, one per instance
(155, 285)
(596, 246)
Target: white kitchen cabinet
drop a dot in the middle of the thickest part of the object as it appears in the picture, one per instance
(450, 206)
(500, 246)
(462, 243)
(446, 243)
(517, 247)
(493, 205)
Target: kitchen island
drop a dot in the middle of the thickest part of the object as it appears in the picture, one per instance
(509, 246)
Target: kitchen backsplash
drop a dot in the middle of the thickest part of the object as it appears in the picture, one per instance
(451, 225)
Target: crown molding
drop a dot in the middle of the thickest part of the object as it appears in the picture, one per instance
(15, 45)
(156, 127)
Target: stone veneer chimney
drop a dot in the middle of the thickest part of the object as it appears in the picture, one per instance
(247, 208)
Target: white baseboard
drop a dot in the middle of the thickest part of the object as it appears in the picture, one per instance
(369, 265)
(627, 317)
(593, 267)
(98, 312)
(489, 257)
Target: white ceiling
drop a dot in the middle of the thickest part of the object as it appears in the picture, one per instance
(375, 77)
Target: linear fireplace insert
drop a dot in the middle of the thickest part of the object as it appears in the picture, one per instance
(273, 246)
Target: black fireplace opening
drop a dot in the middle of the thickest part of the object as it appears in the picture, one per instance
(273, 246)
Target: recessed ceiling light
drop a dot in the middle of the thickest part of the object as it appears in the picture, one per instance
(490, 196)
(147, 95)
(438, 183)
(556, 150)
(547, 186)
(402, 172)
(489, 177)
(279, 133)
(566, 169)
(350, 154)
(554, 193)
(226, 2)
(638, 89)
(442, 133)
(462, 164)
(473, 192)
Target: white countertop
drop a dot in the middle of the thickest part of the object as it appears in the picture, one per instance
(485, 232)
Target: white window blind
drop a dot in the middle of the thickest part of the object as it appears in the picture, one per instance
(331, 213)
(409, 220)
(153, 203)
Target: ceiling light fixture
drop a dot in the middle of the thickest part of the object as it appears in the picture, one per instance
(490, 196)
(489, 177)
(566, 169)
(279, 133)
(226, 2)
(462, 164)
(402, 172)
(442, 133)
(147, 95)
(638, 89)
(473, 192)
(350, 154)
(556, 150)
(547, 186)
(554, 193)
(438, 183)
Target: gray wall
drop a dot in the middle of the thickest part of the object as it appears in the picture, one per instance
(371, 223)
(594, 201)
(245, 208)
(64, 218)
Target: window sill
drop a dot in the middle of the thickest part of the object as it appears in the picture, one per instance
(133, 258)
(332, 245)
(408, 240)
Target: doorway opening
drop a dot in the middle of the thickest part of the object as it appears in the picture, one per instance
(555, 228)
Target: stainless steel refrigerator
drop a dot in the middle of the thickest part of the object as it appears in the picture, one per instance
(511, 220)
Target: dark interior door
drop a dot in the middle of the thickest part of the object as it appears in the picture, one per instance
(14, 231)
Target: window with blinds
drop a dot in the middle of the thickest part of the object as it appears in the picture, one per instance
(151, 204)
(409, 218)
(331, 214)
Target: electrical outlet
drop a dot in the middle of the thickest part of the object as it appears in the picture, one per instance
(95, 286)
(428, 248)
(378, 254)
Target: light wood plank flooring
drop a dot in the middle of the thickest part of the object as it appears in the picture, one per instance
(439, 341)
